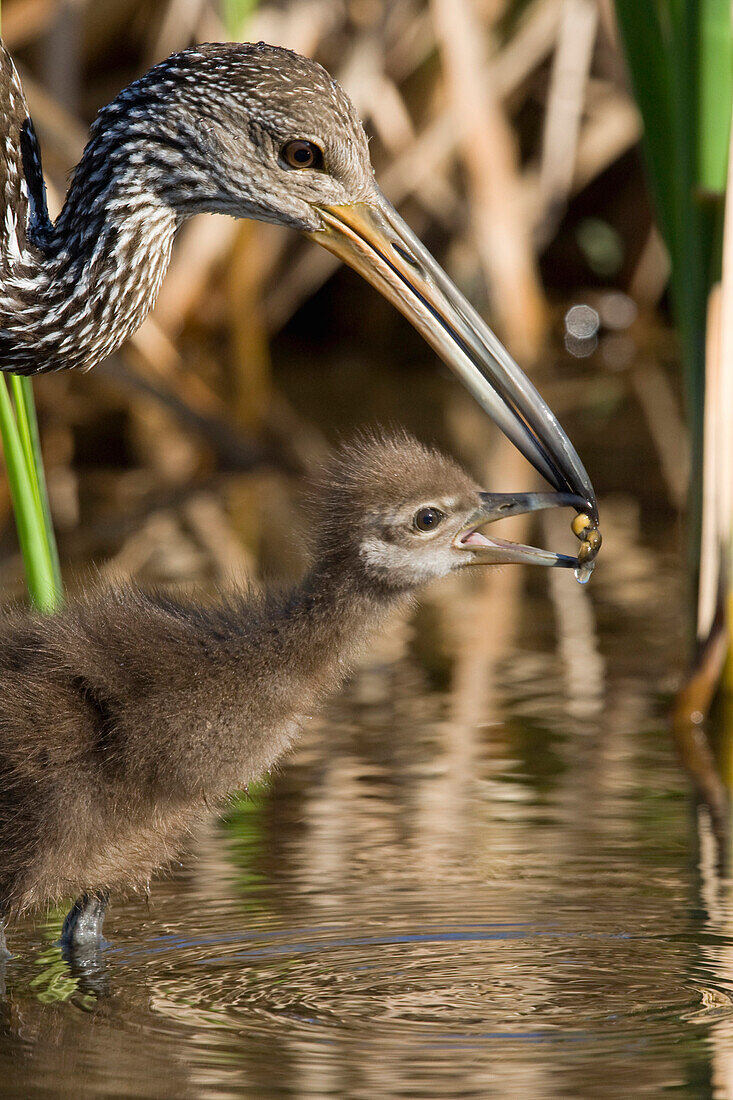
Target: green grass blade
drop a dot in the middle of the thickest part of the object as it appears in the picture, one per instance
(648, 63)
(235, 13)
(24, 432)
(25, 411)
(34, 544)
(667, 47)
(28, 492)
(680, 60)
(714, 106)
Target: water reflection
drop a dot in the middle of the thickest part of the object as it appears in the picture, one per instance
(473, 877)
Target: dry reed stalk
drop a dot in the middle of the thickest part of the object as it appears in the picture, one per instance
(107, 23)
(651, 274)
(612, 128)
(690, 708)
(151, 351)
(390, 117)
(666, 427)
(715, 589)
(61, 47)
(26, 20)
(709, 591)
(177, 27)
(527, 49)
(563, 115)
(213, 528)
(249, 365)
(308, 21)
(489, 154)
(202, 247)
(725, 412)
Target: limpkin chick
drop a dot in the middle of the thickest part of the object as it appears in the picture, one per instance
(252, 131)
(127, 715)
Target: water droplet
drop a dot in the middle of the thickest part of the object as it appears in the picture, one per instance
(583, 571)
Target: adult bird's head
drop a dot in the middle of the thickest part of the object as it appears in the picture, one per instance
(253, 131)
(261, 132)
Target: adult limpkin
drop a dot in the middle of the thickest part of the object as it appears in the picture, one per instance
(253, 131)
(125, 716)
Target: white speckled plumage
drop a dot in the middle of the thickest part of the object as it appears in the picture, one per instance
(201, 131)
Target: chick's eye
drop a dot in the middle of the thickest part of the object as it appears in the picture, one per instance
(301, 154)
(427, 519)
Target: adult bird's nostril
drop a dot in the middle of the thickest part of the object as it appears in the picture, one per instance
(407, 256)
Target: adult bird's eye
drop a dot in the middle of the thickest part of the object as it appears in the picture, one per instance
(427, 519)
(301, 154)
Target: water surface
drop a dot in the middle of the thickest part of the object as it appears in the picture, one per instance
(479, 875)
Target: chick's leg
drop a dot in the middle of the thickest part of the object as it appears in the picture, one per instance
(83, 924)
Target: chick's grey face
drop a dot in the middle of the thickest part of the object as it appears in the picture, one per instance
(401, 515)
(281, 138)
(415, 543)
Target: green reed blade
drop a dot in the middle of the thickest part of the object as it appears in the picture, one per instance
(31, 527)
(715, 66)
(235, 13)
(29, 494)
(661, 41)
(24, 432)
(25, 412)
(680, 59)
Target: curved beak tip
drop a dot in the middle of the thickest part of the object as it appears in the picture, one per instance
(490, 550)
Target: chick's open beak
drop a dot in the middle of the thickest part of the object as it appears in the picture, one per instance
(485, 550)
(374, 240)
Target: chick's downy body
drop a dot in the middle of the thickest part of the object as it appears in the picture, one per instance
(121, 720)
(127, 715)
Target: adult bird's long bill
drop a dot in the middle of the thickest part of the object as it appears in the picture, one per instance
(490, 550)
(374, 240)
